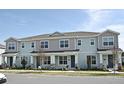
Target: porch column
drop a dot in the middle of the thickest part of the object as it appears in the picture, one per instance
(14, 60)
(52, 59)
(31, 63)
(31, 60)
(101, 61)
(76, 60)
(119, 58)
(5, 60)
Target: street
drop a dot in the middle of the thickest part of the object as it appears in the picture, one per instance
(13, 78)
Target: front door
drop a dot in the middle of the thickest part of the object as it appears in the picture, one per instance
(72, 61)
(11, 61)
(38, 61)
(110, 61)
(89, 62)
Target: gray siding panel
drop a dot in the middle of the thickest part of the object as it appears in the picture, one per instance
(54, 45)
(100, 45)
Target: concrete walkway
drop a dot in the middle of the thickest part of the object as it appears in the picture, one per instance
(52, 71)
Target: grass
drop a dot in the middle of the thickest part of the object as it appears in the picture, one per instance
(63, 73)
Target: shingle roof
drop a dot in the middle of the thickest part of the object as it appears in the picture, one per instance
(2, 46)
(81, 33)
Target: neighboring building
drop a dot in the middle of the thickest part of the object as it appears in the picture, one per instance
(2, 50)
(85, 50)
(123, 58)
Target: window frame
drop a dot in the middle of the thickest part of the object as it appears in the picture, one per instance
(11, 46)
(63, 61)
(79, 43)
(32, 45)
(47, 60)
(92, 41)
(23, 45)
(91, 57)
(64, 42)
(44, 46)
(108, 41)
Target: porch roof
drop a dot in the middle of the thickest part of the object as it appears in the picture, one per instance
(10, 52)
(111, 49)
(55, 51)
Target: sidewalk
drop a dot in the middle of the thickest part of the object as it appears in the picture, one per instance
(54, 71)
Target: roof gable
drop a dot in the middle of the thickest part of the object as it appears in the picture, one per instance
(11, 39)
(110, 31)
(56, 34)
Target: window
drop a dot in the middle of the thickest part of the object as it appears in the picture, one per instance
(79, 42)
(62, 59)
(23, 45)
(92, 42)
(11, 46)
(47, 60)
(91, 59)
(32, 45)
(44, 44)
(63, 43)
(108, 41)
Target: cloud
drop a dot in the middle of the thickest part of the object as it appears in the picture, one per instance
(19, 20)
(95, 18)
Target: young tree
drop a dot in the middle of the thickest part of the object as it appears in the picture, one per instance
(41, 56)
(115, 61)
(24, 62)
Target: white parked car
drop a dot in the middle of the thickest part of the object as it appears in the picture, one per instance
(3, 78)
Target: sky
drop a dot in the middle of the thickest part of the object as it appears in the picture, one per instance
(20, 23)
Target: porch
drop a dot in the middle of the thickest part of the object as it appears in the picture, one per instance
(9, 59)
(110, 59)
(55, 60)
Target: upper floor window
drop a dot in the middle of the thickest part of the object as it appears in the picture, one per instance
(64, 43)
(11, 46)
(23, 45)
(92, 41)
(32, 44)
(108, 41)
(44, 44)
(79, 42)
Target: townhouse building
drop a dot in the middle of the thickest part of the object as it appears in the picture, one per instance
(84, 50)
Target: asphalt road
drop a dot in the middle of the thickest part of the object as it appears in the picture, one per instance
(48, 79)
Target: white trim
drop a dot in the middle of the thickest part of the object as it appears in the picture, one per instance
(77, 43)
(64, 47)
(44, 43)
(12, 43)
(94, 41)
(34, 45)
(49, 38)
(92, 65)
(62, 59)
(108, 44)
(57, 54)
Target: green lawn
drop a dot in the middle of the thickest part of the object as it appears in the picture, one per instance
(64, 73)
